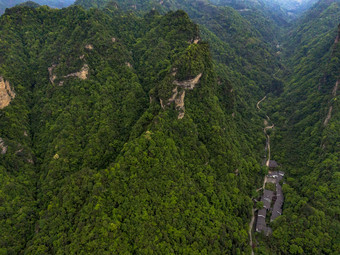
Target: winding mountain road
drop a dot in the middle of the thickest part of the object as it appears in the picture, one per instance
(259, 102)
(268, 143)
(267, 148)
(250, 230)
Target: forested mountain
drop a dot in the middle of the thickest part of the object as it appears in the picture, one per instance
(266, 16)
(233, 39)
(258, 13)
(307, 137)
(131, 127)
(118, 131)
(53, 3)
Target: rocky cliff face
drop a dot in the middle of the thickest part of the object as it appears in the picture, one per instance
(178, 97)
(6, 93)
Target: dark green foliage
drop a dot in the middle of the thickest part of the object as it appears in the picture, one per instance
(113, 171)
(110, 151)
(266, 16)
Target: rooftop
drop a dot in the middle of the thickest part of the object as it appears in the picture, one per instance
(277, 211)
(261, 224)
(273, 164)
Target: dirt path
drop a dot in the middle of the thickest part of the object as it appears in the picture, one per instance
(265, 130)
(250, 229)
(267, 148)
(268, 143)
(259, 102)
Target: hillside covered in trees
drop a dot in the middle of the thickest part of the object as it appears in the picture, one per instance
(307, 138)
(131, 127)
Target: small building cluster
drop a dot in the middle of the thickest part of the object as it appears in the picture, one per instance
(277, 208)
(272, 200)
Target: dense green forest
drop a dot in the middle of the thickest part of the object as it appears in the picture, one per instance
(307, 137)
(114, 144)
(131, 127)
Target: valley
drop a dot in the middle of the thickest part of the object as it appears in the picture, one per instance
(274, 176)
(170, 127)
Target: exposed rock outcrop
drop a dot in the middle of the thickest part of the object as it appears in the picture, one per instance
(19, 152)
(89, 46)
(174, 71)
(195, 40)
(329, 115)
(82, 74)
(161, 102)
(174, 95)
(51, 74)
(3, 147)
(335, 89)
(189, 84)
(179, 93)
(6, 93)
(179, 102)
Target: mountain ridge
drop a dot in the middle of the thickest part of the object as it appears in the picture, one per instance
(136, 130)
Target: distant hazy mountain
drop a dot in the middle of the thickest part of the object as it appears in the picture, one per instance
(53, 3)
(294, 7)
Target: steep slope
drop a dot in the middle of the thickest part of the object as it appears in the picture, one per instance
(242, 58)
(17, 170)
(307, 137)
(307, 30)
(266, 16)
(117, 139)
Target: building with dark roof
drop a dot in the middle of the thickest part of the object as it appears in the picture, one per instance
(261, 220)
(273, 164)
(261, 225)
(277, 208)
(267, 198)
(277, 211)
